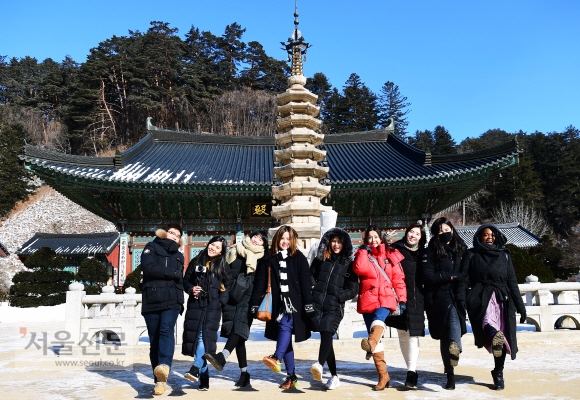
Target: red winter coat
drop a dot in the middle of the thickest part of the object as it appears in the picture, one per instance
(374, 290)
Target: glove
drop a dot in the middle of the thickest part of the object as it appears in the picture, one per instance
(523, 317)
(313, 317)
(402, 306)
(254, 310)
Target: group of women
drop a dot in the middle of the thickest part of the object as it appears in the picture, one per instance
(395, 283)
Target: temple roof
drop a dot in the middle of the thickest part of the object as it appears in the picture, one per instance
(169, 157)
(74, 244)
(514, 232)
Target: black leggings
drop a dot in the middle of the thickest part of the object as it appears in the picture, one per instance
(239, 344)
(500, 361)
(326, 351)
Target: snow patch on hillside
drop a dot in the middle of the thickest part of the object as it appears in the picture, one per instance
(49, 212)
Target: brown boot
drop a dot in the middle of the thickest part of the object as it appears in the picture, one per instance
(369, 344)
(384, 378)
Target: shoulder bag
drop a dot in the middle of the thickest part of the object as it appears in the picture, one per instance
(264, 312)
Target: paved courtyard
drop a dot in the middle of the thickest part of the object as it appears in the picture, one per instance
(548, 366)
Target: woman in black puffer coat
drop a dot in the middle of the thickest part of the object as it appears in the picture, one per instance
(243, 258)
(333, 283)
(410, 325)
(206, 281)
(493, 297)
(445, 284)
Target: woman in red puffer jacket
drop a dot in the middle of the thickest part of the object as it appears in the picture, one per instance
(379, 270)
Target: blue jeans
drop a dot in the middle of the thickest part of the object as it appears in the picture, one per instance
(161, 331)
(284, 349)
(452, 334)
(380, 314)
(199, 360)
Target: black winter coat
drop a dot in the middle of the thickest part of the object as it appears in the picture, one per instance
(413, 319)
(299, 286)
(204, 310)
(490, 269)
(440, 292)
(236, 317)
(162, 265)
(333, 281)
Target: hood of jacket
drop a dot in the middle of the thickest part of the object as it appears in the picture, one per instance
(500, 238)
(346, 253)
(162, 234)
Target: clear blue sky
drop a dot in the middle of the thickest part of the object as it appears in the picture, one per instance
(467, 65)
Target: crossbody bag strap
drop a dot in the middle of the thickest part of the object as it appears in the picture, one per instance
(382, 271)
(269, 290)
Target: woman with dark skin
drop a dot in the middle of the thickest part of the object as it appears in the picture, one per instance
(206, 280)
(333, 283)
(493, 297)
(411, 324)
(242, 258)
(445, 285)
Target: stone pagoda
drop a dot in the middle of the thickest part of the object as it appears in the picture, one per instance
(299, 189)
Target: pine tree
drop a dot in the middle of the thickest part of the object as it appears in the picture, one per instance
(392, 104)
(44, 284)
(93, 274)
(360, 105)
(423, 140)
(14, 178)
(444, 143)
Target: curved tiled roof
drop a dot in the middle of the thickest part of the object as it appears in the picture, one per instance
(168, 157)
(74, 244)
(514, 232)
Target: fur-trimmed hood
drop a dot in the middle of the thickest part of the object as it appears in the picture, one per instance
(162, 234)
(346, 253)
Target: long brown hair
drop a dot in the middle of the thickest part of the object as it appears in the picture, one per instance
(328, 251)
(278, 236)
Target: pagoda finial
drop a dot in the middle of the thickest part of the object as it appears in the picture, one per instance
(296, 47)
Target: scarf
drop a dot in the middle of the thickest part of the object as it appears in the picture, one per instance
(248, 251)
(287, 307)
(411, 248)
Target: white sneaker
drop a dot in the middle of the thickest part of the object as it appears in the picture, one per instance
(332, 383)
(316, 371)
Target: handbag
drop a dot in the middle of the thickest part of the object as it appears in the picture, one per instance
(239, 288)
(264, 312)
(382, 271)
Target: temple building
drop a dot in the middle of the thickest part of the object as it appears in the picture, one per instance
(223, 184)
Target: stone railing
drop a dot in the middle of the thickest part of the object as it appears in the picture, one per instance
(107, 313)
(547, 304)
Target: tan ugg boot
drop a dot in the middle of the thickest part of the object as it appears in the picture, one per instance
(381, 365)
(159, 388)
(161, 372)
(369, 344)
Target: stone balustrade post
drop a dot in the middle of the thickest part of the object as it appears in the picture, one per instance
(74, 310)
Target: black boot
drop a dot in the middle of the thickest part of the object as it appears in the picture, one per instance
(216, 359)
(411, 380)
(203, 382)
(498, 383)
(450, 385)
(244, 379)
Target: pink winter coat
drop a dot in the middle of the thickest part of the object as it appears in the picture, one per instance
(374, 290)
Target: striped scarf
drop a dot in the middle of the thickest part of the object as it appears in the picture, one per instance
(287, 307)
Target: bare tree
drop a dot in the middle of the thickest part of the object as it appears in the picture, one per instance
(526, 215)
